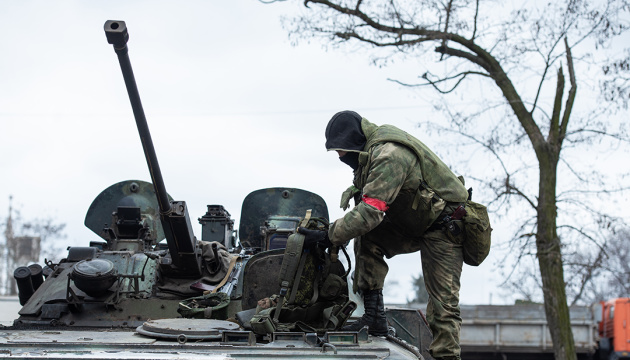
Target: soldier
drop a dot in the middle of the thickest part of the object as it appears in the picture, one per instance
(404, 196)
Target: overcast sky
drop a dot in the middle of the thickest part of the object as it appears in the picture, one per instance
(231, 105)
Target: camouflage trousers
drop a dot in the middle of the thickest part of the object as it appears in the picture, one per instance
(442, 260)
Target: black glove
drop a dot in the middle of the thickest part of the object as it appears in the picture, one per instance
(312, 237)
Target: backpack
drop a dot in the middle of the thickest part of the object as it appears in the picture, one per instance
(313, 290)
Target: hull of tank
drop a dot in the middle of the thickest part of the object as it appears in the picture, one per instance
(121, 344)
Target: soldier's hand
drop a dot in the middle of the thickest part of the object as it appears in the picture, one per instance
(312, 237)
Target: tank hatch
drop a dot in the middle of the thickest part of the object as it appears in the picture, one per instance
(129, 193)
(183, 330)
(265, 205)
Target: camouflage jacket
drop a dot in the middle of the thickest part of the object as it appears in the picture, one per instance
(410, 183)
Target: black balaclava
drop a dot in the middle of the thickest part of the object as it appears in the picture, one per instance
(344, 133)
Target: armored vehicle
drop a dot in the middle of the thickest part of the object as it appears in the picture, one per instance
(262, 294)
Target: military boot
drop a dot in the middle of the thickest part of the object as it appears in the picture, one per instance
(374, 315)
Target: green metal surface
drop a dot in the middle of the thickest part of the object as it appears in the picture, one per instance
(125, 193)
(262, 204)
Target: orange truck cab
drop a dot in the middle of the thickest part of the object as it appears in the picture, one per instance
(614, 329)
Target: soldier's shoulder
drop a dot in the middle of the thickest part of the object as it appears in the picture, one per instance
(394, 150)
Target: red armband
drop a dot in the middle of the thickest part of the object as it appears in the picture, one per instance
(379, 204)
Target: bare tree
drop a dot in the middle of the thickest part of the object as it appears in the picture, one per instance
(618, 266)
(420, 291)
(525, 115)
(27, 241)
(594, 274)
(608, 270)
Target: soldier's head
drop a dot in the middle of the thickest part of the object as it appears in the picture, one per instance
(344, 135)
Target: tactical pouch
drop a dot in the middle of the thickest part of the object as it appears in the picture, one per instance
(262, 323)
(336, 316)
(428, 205)
(477, 233)
(414, 211)
(332, 288)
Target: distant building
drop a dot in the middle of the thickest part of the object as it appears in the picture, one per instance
(21, 251)
(18, 251)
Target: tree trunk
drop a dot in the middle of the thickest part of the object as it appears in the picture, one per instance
(550, 258)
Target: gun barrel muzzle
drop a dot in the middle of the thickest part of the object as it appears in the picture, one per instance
(116, 32)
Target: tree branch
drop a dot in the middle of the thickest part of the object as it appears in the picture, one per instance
(555, 115)
(461, 77)
(477, 56)
(448, 16)
(582, 233)
(571, 98)
(519, 192)
(548, 60)
(398, 43)
(464, 55)
(472, 38)
(618, 137)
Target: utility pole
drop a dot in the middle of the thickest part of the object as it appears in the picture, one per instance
(9, 286)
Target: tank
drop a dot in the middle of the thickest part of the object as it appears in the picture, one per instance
(146, 288)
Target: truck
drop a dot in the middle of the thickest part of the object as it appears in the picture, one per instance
(613, 329)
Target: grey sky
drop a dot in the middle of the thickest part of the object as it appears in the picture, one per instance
(231, 105)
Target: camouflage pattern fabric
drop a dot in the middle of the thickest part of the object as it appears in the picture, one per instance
(442, 260)
(393, 173)
(435, 173)
(305, 288)
(393, 169)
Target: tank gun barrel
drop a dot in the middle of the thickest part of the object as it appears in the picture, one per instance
(117, 35)
(183, 248)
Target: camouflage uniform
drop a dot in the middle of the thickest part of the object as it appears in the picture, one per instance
(417, 188)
